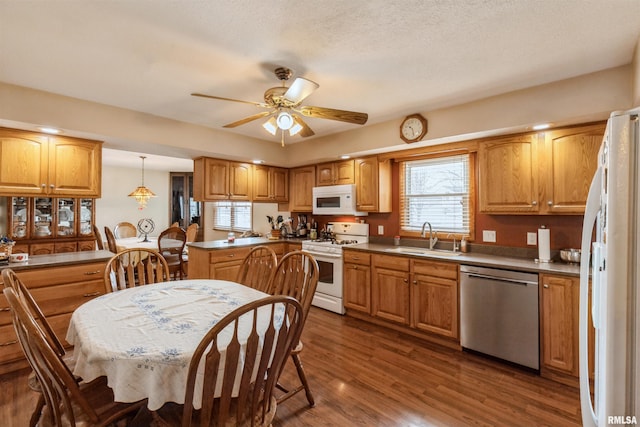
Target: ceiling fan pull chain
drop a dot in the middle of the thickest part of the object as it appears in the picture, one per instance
(282, 132)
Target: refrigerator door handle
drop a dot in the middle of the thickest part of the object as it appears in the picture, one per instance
(592, 209)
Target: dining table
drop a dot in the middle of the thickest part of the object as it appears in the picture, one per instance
(142, 339)
(136, 242)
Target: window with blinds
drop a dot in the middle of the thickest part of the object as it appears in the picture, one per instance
(232, 216)
(436, 190)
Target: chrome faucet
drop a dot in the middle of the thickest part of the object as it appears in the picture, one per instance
(455, 248)
(432, 240)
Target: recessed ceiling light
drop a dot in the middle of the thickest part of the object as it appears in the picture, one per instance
(49, 130)
(258, 162)
(345, 156)
(542, 126)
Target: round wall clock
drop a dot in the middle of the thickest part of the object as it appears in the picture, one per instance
(413, 128)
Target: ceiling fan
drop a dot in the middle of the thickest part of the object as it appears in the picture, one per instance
(284, 109)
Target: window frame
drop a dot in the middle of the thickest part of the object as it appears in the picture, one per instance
(471, 195)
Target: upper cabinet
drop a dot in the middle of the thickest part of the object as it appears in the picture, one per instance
(545, 173)
(301, 183)
(373, 184)
(38, 164)
(215, 179)
(270, 184)
(335, 173)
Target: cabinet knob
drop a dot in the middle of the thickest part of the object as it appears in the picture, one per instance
(355, 267)
(534, 203)
(545, 286)
(550, 203)
(405, 280)
(51, 185)
(415, 282)
(43, 185)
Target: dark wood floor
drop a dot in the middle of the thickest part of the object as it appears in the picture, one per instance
(362, 374)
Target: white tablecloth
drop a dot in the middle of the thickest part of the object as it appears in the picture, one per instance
(136, 242)
(142, 338)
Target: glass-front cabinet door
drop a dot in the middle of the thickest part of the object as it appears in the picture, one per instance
(86, 217)
(18, 221)
(42, 217)
(66, 217)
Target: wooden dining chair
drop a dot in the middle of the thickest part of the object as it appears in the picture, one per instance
(296, 276)
(98, 236)
(67, 402)
(11, 280)
(125, 229)
(171, 243)
(256, 268)
(111, 240)
(240, 359)
(192, 232)
(135, 267)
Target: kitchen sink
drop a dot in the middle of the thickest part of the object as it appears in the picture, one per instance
(422, 252)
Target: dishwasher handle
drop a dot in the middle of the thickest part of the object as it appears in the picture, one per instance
(500, 279)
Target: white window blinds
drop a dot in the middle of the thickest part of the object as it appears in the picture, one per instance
(435, 190)
(232, 216)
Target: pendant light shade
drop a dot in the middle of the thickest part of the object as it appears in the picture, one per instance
(142, 194)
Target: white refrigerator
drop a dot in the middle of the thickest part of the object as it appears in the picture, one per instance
(611, 253)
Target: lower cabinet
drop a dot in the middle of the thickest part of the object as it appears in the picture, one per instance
(58, 291)
(419, 294)
(224, 264)
(559, 311)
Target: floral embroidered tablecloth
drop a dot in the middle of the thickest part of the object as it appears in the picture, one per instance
(142, 338)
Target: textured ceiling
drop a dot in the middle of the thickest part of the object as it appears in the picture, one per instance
(386, 58)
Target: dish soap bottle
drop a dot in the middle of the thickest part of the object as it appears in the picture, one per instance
(463, 245)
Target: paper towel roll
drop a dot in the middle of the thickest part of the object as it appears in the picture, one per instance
(544, 245)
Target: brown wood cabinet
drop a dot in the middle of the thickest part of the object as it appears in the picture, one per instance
(270, 184)
(357, 280)
(39, 164)
(539, 173)
(559, 328)
(58, 290)
(373, 185)
(335, 173)
(421, 294)
(302, 180)
(215, 179)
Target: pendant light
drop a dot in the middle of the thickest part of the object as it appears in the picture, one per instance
(142, 194)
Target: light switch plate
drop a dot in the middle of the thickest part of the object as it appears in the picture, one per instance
(380, 230)
(532, 239)
(489, 236)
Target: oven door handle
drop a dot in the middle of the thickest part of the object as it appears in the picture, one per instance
(325, 255)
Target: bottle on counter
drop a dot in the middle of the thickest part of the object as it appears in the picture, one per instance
(463, 245)
(396, 240)
(231, 237)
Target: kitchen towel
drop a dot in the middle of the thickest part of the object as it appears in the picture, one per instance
(544, 245)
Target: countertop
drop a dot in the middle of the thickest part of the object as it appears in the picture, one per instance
(241, 242)
(483, 260)
(61, 259)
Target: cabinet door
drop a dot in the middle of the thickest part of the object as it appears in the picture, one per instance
(270, 184)
(24, 157)
(434, 305)
(558, 338)
(261, 190)
(210, 179)
(302, 181)
(508, 175)
(344, 172)
(573, 154)
(240, 181)
(75, 167)
(226, 271)
(325, 174)
(357, 287)
(366, 176)
(280, 184)
(390, 298)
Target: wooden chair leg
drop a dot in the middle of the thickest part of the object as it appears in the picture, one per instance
(304, 383)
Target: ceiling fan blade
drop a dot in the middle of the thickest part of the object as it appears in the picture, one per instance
(247, 119)
(333, 114)
(259, 104)
(306, 130)
(300, 89)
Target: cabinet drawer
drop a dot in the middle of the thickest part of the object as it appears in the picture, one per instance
(391, 262)
(66, 298)
(59, 275)
(5, 314)
(228, 255)
(353, 257)
(436, 269)
(10, 348)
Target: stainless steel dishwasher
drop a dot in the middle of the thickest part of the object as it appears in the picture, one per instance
(499, 314)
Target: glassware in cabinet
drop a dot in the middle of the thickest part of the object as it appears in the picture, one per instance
(66, 217)
(86, 216)
(19, 217)
(42, 217)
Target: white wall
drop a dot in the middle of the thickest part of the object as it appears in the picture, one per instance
(115, 205)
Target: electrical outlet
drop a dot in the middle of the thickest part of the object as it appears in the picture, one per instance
(380, 230)
(489, 236)
(532, 239)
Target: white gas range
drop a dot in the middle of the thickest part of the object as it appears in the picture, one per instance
(328, 254)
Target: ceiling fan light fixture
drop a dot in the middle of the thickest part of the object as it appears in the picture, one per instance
(271, 126)
(296, 128)
(285, 121)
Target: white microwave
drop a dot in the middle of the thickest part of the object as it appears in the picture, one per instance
(335, 200)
